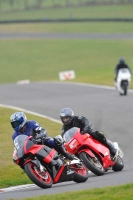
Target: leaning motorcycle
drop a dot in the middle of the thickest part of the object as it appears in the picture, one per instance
(44, 166)
(94, 155)
(123, 81)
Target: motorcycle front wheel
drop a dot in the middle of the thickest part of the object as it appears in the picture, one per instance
(81, 172)
(92, 164)
(41, 179)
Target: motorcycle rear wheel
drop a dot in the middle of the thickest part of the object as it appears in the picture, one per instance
(125, 91)
(95, 167)
(41, 179)
(119, 164)
(81, 173)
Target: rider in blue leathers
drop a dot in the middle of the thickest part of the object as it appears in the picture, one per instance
(20, 124)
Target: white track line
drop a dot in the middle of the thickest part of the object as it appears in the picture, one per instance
(30, 112)
(14, 188)
(91, 85)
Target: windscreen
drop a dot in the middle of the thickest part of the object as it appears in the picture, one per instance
(70, 133)
(19, 145)
(19, 141)
(125, 70)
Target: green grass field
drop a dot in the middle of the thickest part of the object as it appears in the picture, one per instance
(33, 4)
(42, 60)
(117, 11)
(92, 60)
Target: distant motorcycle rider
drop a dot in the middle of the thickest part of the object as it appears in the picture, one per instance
(20, 124)
(69, 120)
(121, 65)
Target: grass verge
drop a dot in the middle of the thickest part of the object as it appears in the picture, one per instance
(124, 192)
(84, 27)
(103, 11)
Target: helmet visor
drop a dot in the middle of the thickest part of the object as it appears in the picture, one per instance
(16, 124)
(65, 119)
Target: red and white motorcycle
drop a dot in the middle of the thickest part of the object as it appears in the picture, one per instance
(94, 155)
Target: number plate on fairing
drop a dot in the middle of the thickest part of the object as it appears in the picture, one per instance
(73, 144)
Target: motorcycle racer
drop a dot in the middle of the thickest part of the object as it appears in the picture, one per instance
(121, 65)
(69, 120)
(20, 124)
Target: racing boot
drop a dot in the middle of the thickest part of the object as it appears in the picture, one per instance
(63, 151)
(114, 152)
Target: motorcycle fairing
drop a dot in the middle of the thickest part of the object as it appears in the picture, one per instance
(88, 142)
(64, 175)
(107, 162)
(100, 150)
(88, 151)
(89, 145)
(28, 144)
(43, 155)
(42, 151)
(50, 156)
(27, 148)
(15, 157)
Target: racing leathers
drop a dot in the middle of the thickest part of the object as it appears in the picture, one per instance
(85, 127)
(34, 129)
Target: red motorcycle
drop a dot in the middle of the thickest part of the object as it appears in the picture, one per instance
(94, 155)
(44, 166)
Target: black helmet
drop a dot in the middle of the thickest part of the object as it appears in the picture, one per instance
(67, 115)
(121, 60)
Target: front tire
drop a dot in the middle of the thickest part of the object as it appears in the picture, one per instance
(119, 164)
(42, 179)
(81, 173)
(95, 167)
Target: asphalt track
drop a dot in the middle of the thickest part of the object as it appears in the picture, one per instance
(108, 111)
(114, 36)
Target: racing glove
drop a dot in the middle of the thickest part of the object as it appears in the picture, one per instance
(85, 130)
(39, 138)
(58, 140)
